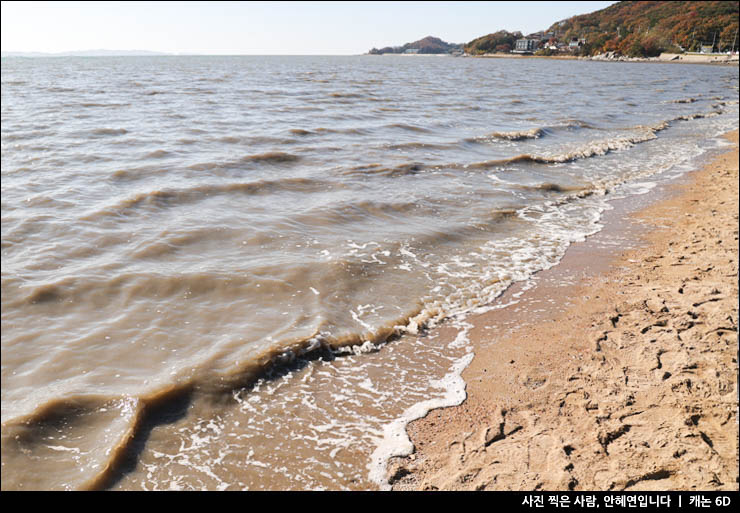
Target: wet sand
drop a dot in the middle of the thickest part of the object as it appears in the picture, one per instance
(617, 371)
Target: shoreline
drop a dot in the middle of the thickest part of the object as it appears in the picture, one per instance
(663, 58)
(631, 383)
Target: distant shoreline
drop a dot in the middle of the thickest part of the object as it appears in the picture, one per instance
(662, 58)
(721, 59)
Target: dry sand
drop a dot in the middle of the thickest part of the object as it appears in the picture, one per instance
(626, 381)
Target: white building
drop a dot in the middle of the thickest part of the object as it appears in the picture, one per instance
(525, 45)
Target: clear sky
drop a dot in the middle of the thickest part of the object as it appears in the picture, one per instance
(266, 28)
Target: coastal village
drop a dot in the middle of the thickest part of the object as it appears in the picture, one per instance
(548, 44)
(666, 31)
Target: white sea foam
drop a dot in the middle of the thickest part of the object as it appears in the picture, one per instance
(395, 441)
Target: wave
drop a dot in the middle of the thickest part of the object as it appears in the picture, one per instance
(134, 285)
(19, 136)
(214, 79)
(346, 95)
(109, 131)
(410, 128)
(588, 150)
(592, 149)
(156, 154)
(554, 187)
(409, 168)
(517, 135)
(230, 139)
(360, 211)
(699, 115)
(354, 131)
(177, 197)
(249, 141)
(94, 104)
(596, 148)
(531, 133)
(722, 103)
(111, 430)
(107, 424)
(272, 157)
(419, 145)
(137, 173)
(198, 91)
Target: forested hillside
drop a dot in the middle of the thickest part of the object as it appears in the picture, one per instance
(648, 28)
(427, 45)
(501, 41)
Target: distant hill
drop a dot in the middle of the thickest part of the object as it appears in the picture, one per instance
(501, 41)
(648, 28)
(428, 45)
(85, 53)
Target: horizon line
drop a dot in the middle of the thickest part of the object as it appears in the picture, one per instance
(65, 54)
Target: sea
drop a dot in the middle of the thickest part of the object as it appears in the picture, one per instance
(224, 272)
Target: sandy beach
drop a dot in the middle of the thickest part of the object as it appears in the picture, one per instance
(618, 371)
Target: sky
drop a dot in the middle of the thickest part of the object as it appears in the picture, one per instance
(265, 28)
